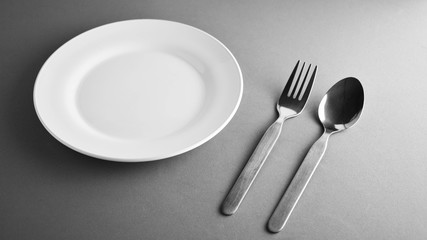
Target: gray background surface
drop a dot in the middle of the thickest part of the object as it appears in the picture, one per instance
(371, 183)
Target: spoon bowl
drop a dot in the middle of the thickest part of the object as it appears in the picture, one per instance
(342, 105)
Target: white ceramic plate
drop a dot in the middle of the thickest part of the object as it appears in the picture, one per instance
(138, 90)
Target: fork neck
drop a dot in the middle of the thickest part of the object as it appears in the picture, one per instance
(281, 118)
(284, 113)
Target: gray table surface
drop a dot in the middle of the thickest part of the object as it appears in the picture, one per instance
(371, 183)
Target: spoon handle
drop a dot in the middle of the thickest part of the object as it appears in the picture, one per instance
(250, 171)
(289, 200)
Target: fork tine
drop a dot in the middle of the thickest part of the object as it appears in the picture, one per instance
(300, 92)
(295, 88)
(310, 84)
(290, 80)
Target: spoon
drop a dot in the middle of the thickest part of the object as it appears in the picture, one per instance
(339, 109)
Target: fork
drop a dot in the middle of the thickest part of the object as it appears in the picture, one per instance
(291, 103)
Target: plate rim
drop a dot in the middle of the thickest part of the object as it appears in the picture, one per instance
(141, 159)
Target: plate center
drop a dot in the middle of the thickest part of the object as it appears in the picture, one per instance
(140, 95)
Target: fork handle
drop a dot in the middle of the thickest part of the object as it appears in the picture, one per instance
(250, 171)
(293, 193)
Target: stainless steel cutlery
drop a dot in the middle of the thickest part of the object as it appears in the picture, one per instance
(339, 109)
(291, 103)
